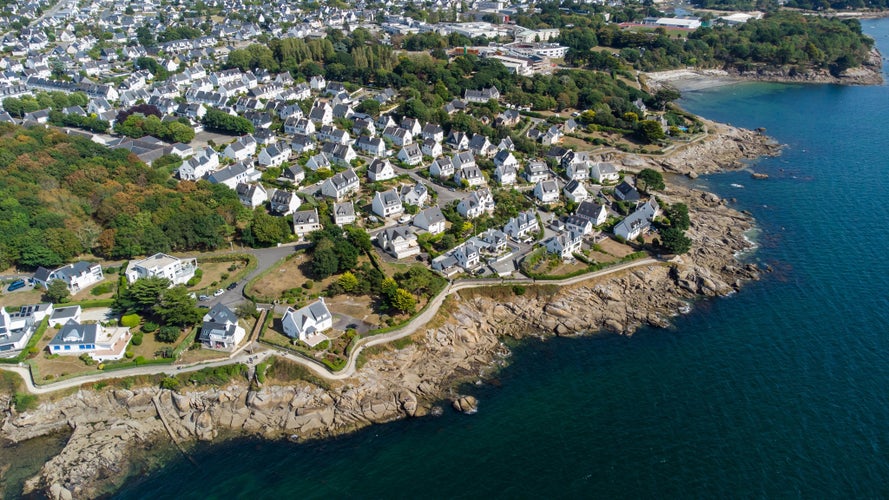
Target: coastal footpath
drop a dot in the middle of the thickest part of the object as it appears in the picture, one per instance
(114, 428)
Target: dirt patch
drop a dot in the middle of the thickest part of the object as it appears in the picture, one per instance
(615, 248)
(217, 274)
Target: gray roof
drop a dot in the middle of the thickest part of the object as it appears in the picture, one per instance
(75, 333)
(305, 217)
(221, 314)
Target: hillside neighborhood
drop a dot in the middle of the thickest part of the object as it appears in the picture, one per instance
(315, 154)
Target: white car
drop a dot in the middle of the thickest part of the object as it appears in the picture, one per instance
(219, 292)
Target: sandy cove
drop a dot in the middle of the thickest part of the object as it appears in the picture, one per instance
(110, 428)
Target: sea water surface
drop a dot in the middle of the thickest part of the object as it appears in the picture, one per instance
(781, 390)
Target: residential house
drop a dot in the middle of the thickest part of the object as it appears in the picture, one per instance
(476, 204)
(505, 175)
(625, 192)
(552, 136)
(309, 323)
(579, 224)
(363, 126)
(321, 114)
(536, 171)
(431, 148)
(415, 195)
(575, 191)
(341, 185)
(604, 172)
(481, 96)
(471, 174)
(564, 244)
(457, 140)
(597, 214)
(241, 149)
(220, 329)
(507, 144)
(305, 221)
(283, 202)
(442, 167)
(463, 159)
(495, 241)
(522, 225)
(380, 170)
(430, 219)
(318, 161)
(339, 154)
(274, 155)
(293, 174)
(63, 315)
(233, 174)
(17, 328)
(251, 195)
(317, 83)
(639, 221)
(399, 136)
(387, 203)
(343, 213)
(161, 265)
(100, 343)
(547, 191)
(468, 255)
(329, 133)
(77, 276)
(505, 158)
(398, 241)
(508, 118)
(302, 144)
(411, 155)
(480, 145)
(373, 146)
(385, 121)
(433, 132)
(577, 171)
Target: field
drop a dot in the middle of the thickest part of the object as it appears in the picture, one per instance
(217, 274)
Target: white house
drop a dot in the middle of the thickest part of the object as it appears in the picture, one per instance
(373, 146)
(415, 195)
(77, 276)
(547, 191)
(220, 329)
(431, 148)
(442, 167)
(398, 136)
(579, 224)
(536, 171)
(318, 161)
(241, 149)
(321, 114)
(505, 175)
(477, 203)
(233, 174)
(637, 222)
(343, 213)
(505, 158)
(577, 171)
(161, 265)
(564, 244)
(411, 154)
(203, 162)
(468, 255)
(283, 202)
(341, 185)
(597, 214)
(575, 191)
(398, 241)
(99, 342)
(604, 172)
(430, 219)
(274, 155)
(471, 174)
(306, 221)
(380, 170)
(522, 225)
(309, 323)
(293, 174)
(251, 195)
(387, 203)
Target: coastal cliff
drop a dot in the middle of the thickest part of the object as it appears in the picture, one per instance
(463, 343)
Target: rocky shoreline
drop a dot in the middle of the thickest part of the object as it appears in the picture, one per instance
(110, 428)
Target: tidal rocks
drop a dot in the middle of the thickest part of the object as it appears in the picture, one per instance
(466, 404)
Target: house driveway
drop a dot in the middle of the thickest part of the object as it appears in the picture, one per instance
(98, 314)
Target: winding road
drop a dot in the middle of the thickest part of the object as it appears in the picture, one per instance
(242, 355)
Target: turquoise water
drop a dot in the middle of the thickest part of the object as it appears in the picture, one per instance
(780, 390)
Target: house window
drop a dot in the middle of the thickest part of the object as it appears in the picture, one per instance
(67, 347)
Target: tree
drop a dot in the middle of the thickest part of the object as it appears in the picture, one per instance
(649, 179)
(403, 301)
(167, 334)
(177, 307)
(142, 295)
(675, 241)
(677, 213)
(650, 131)
(324, 259)
(348, 282)
(57, 292)
(268, 230)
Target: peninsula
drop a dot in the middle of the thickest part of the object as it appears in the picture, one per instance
(403, 194)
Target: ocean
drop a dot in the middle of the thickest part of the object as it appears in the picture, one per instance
(780, 390)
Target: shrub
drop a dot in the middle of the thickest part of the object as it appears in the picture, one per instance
(150, 327)
(167, 334)
(130, 320)
(308, 285)
(129, 354)
(170, 383)
(137, 338)
(518, 290)
(24, 402)
(102, 289)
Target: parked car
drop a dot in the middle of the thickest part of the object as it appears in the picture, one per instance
(15, 285)
(203, 297)
(219, 292)
(232, 286)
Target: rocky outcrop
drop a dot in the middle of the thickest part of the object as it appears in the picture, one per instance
(466, 404)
